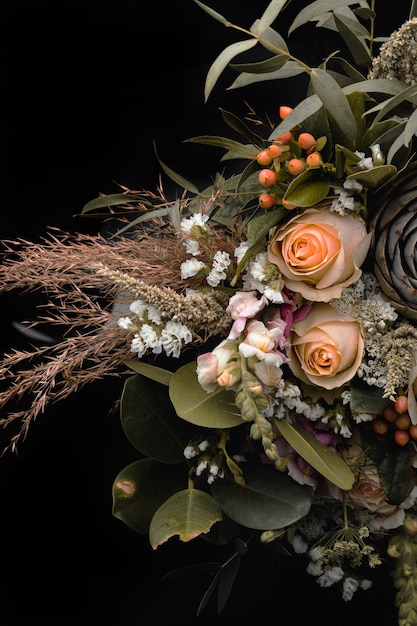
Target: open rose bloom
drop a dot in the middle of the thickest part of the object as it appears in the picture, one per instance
(320, 252)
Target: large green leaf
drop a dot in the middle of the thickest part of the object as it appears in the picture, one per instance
(375, 176)
(269, 499)
(308, 188)
(140, 489)
(324, 460)
(335, 101)
(195, 405)
(187, 513)
(150, 423)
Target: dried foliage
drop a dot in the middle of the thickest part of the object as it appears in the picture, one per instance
(85, 301)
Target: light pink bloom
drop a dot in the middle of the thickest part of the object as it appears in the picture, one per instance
(244, 305)
(211, 365)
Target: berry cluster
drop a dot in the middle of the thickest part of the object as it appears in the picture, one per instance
(396, 418)
(286, 157)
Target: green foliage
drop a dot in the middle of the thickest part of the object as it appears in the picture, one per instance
(319, 456)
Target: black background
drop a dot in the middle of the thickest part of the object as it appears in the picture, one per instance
(87, 87)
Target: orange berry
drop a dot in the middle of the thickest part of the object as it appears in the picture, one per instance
(401, 404)
(284, 111)
(390, 414)
(314, 159)
(267, 177)
(263, 158)
(380, 425)
(296, 166)
(284, 139)
(401, 437)
(403, 421)
(413, 431)
(274, 151)
(306, 141)
(266, 201)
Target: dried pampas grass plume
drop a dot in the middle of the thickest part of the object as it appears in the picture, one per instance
(88, 280)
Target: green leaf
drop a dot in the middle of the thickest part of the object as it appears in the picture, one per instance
(240, 127)
(259, 227)
(290, 69)
(410, 129)
(354, 35)
(298, 115)
(335, 101)
(308, 188)
(367, 399)
(111, 200)
(188, 514)
(182, 182)
(261, 67)
(222, 61)
(269, 15)
(374, 177)
(195, 405)
(269, 499)
(150, 423)
(158, 374)
(212, 13)
(316, 10)
(239, 149)
(393, 464)
(140, 489)
(324, 460)
(273, 41)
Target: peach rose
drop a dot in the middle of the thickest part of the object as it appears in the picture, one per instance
(326, 347)
(320, 252)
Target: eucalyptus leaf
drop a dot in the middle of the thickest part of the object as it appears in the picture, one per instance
(150, 423)
(261, 67)
(158, 374)
(354, 35)
(240, 127)
(289, 70)
(316, 9)
(239, 149)
(319, 456)
(188, 514)
(177, 178)
(116, 199)
(193, 404)
(335, 101)
(268, 500)
(140, 488)
(269, 15)
(222, 61)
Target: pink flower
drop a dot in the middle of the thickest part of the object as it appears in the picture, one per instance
(211, 366)
(326, 347)
(320, 252)
(244, 305)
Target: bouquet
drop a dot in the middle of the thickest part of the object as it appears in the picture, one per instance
(264, 327)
